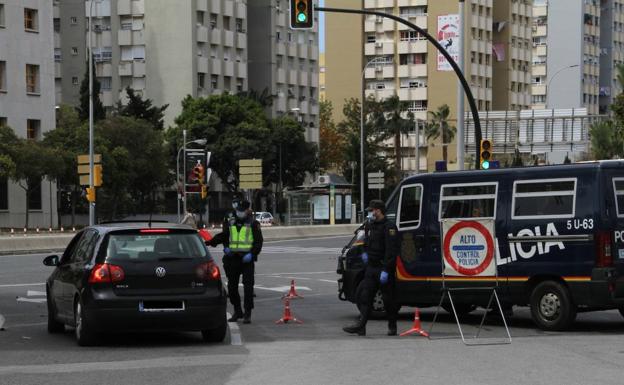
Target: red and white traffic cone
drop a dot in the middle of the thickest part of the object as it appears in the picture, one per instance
(292, 293)
(287, 314)
(416, 328)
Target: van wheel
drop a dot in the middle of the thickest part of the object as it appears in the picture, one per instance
(378, 310)
(54, 326)
(84, 334)
(551, 306)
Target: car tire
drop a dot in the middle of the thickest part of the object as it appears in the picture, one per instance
(54, 326)
(215, 335)
(551, 306)
(84, 335)
(379, 309)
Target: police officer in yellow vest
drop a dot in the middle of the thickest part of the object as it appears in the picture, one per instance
(242, 242)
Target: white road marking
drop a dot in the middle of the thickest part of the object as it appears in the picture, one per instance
(298, 273)
(300, 250)
(23, 284)
(279, 289)
(306, 239)
(31, 300)
(2, 319)
(32, 293)
(235, 335)
(156, 363)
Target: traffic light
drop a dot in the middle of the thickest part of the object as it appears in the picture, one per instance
(485, 154)
(301, 14)
(91, 194)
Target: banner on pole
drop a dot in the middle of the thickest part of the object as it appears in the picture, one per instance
(448, 36)
(468, 248)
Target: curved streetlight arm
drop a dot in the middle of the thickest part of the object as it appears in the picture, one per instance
(554, 76)
(458, 72)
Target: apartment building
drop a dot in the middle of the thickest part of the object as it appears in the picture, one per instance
(27, 100)
(576, 46)
(162, 49)
(285, 62)
(401, 62)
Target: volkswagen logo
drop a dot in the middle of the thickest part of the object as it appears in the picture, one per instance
(160, 272)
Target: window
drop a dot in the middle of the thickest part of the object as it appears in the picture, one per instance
(34, 196)
(200, 17)
(239, 85)
(371, 38)
(618, 189)
(57, 24)
(33, 129)
(138, 52)
(464, 201)
(201, 79)
(105, 83)
(75, 80)
(3, 121)
(239, 26)
(31, 23)
(2, 76)
(548, 198)
(74, 50)
(32, 78)
(1, 15)
(73, 20)
(57, 54)
(410, 208)
(214, 80)
(4, 193)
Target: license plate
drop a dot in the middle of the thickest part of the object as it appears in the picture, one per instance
(161, 306)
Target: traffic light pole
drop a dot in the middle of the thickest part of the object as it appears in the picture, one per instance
(432, 40)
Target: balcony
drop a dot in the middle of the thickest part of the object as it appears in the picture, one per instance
(538, 70)
(124, 37)
(202, 5)
(228, 68)
(202, 64)
(540, 50)
(123, 7)
(302, 51)
(412, 71)
(57, 70)
(540, 30)
(215, 6)
(540, 11)
(412, 3)
(281, 76)
(313, 52)
(215, 36)
(241, 70)
(413, 93)
(228, 38)
(419, 20)
(292, 49)
(138, 7)
(138, 68)
(418, 46)
(292, 77)
(538, 89)
(228, 8)
(137, 38)
(125, 69)
(314, 80)
(370, 26)
(202, 34)
(216, 67)
(280, 104)
(370, 49)
(280, 48)
(303, 79)
(241, 40)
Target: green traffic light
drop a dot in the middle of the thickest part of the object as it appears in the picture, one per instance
(301, 17)
(485, 165)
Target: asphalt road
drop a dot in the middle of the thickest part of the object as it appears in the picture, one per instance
(315, 352)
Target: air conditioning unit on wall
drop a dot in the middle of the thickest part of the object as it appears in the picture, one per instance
(323, 179)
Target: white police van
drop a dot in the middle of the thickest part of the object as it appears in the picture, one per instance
(559, 238)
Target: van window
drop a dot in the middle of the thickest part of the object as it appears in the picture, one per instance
(552, 198)
(410, 208)
(618, 189)
(463, 201)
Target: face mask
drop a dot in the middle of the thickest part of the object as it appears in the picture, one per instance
(235, 205)
(370, 216)
(241, 214)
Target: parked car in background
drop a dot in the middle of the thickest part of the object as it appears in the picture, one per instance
(264, 217)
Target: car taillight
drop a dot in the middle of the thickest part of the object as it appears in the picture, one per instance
(604, 257)
(208, 271)
(105, 273)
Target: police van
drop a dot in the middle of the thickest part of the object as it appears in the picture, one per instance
(558, 235)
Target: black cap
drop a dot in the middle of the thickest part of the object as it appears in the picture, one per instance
(244, 205)
(376, 204)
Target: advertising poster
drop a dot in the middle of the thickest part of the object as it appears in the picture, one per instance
(321, 206)
(448, 37)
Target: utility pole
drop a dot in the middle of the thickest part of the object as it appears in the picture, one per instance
(460, 92)
(91, 155)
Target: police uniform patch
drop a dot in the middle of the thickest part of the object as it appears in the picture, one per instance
(392, 232)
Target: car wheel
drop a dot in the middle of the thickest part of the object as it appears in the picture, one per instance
(378, 309)
(215, 335)
(551, 306)
(84, 334)
(54, 326)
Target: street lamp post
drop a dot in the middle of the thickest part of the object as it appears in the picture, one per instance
(553, 78)
(375, 60)
(201, 142)
(91, 156)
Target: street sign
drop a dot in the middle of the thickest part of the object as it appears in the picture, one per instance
(250, 173)
(468, 248)
(84, 159)
(84, 170)
(376, 180)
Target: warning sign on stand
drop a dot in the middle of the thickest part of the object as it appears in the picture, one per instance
(468, 248)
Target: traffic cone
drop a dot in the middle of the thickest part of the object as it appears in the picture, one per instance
(287, 315)
(416, 327)
(292, 293)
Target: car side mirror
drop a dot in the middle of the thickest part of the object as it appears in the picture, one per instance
(51, 260)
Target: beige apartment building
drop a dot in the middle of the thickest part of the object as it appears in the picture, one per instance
(163, 49)
(577, 46)
(400, 62)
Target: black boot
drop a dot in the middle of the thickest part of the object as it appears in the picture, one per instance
(392, 328)
(247, 317)
(358, 328)
(238, 313)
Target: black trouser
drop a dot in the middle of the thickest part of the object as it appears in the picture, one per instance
(369, 286)
(234, 267)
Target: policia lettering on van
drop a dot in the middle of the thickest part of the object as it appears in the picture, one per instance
(559, 238)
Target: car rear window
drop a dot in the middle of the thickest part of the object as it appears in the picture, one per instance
(140, 247)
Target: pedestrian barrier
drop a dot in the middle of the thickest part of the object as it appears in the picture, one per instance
(416, 328)
(292, 294)
(287, 317)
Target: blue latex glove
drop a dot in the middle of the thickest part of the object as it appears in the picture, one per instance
(364, 257)
(226, 251)
(383, 277)
(247, 258)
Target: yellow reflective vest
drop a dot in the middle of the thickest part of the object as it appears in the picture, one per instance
(241, 240)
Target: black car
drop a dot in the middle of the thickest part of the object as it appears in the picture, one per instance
(136, 277)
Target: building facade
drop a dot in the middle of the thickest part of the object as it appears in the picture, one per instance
(577, 46)
(164, 50)
(285, 63)
(27, 101)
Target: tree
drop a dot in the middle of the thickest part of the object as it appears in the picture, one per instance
(517, 159)
(235, 128)
(439, 127)
(264, 98)
(390, 120)
(142, 109)
(83, 109)
(8, 147)
(332, 143)
(606, 140)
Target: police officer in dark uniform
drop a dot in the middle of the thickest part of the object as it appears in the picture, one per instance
(381, 248)
(242, 242)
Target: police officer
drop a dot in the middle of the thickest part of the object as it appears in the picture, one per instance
(242, 242)
(381, 248)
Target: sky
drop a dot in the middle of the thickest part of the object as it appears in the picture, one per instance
(322, 27)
